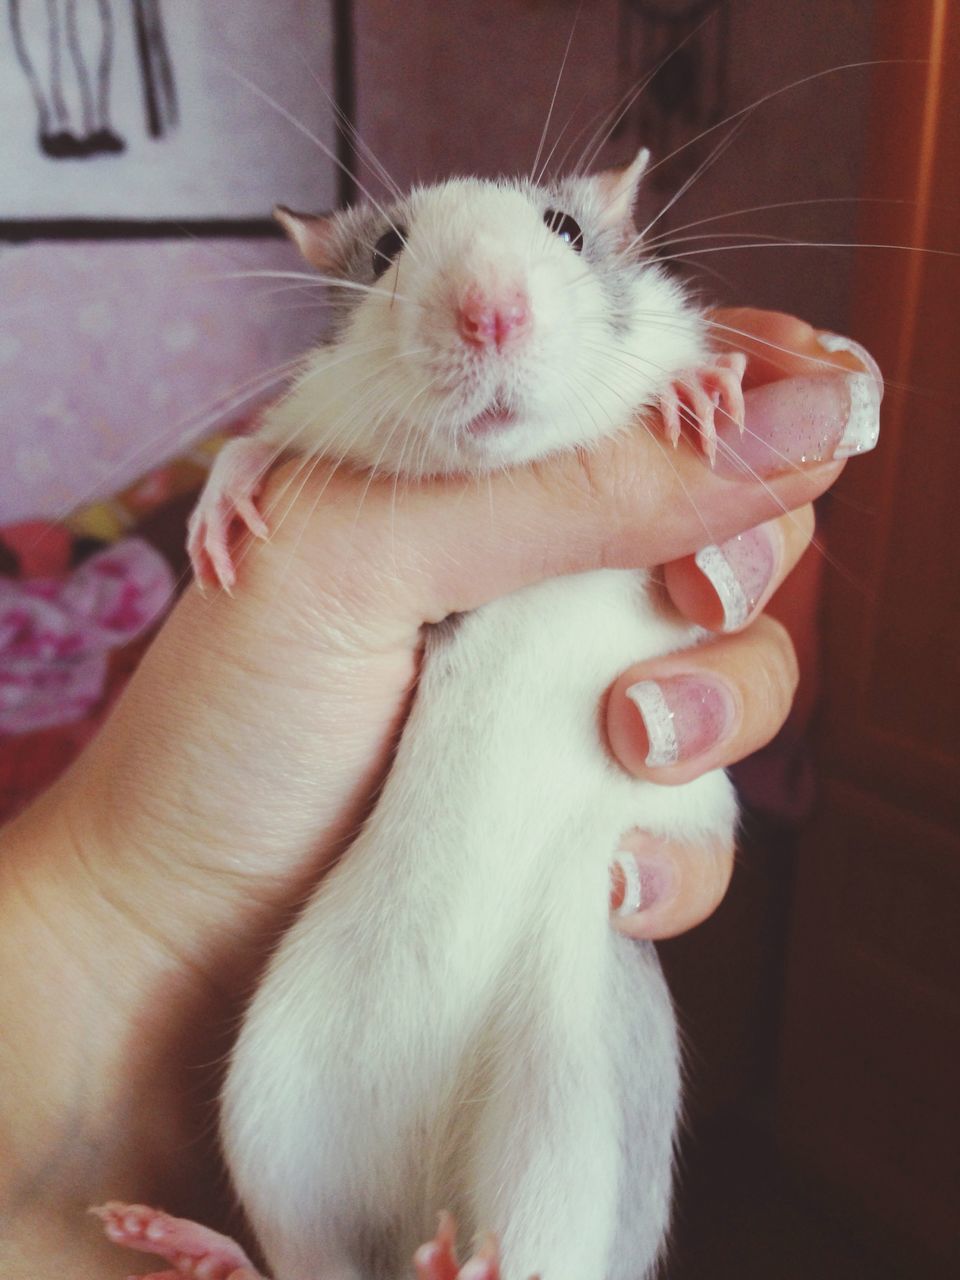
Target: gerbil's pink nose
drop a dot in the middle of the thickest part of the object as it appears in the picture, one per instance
(487, 320)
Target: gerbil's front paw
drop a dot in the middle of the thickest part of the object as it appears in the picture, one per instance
(696, 396)
(229, 496)
(437, 1260)
(194, 1250)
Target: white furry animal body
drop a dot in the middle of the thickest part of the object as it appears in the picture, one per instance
(452, 1022)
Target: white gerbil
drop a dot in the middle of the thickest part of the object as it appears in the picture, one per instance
(452, 1023)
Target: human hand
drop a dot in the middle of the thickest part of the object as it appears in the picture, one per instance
(250, 744)
(732, 695)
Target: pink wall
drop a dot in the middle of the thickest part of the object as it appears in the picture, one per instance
(115, 356)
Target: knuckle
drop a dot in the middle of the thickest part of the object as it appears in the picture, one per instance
(619, 475)
(780, 673)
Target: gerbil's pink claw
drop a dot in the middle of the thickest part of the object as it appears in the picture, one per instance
(485, 1263)
(696, 395)
(195, 1251)
(437, 1260)
(228, 497)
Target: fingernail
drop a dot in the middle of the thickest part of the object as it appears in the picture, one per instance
(639, 883)
(802, 421)
(863, 425)
(863, 428)
(840, 342)
(740, 570)
(682, 716)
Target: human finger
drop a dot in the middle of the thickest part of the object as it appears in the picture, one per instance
(725, 587)
(673, 718)
(661, 887)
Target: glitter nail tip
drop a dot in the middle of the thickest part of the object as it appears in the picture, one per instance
(632, 885)
(838, 342)
(717, 569)
(662, 745)
(862, 431)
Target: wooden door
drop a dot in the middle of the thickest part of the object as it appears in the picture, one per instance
(869, 1094)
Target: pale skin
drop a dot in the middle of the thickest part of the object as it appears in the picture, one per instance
(139, 897)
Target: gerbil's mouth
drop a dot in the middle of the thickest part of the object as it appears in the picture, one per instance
(495, 418)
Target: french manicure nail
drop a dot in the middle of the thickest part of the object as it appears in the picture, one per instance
(866, 394)
(839, 342)
(740, 570)
(800, 421)
(862, 430)
(682, 716)
(641, 882)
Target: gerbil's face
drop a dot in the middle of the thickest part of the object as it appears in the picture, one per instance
(502, 324)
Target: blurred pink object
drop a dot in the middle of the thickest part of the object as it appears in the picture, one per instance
(56, 633)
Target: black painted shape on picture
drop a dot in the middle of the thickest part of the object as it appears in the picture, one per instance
(59, 135)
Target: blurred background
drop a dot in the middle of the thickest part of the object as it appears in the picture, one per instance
(145, 142)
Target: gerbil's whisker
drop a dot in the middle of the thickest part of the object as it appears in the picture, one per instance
(668, 240)
(285, 445)
(352, 418)
(343, 426)
(661, 445)
(316, 280)
(307, 468)
(725, 142)
(344, 123)
(572, 383)
(534, 175)
(821, 364)
(781, 204)
(817, 543)
(611, 118)
(776, 93)
(189, 429)
(816, 244)
(691, 419)
(401, 421)
(318, 142)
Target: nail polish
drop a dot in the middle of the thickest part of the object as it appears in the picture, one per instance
(862, 430)
(641, 882)
(740, 570)
(866, 394)
(682, 716)
(840, 342)
(802, 421)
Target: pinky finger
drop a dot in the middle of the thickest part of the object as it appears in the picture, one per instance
(661, 887)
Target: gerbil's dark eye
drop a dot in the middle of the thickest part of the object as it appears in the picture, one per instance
(567, 228)
(387, 248)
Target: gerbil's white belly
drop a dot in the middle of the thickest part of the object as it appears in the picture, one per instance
(452, 1023)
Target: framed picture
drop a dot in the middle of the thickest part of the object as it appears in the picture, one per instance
(165, 109)
(144, 145)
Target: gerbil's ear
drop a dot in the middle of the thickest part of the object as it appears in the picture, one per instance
(618, 189)
(311, 233)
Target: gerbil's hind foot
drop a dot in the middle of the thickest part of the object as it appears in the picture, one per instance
(437, 1260)
(695, 396)
(195, 1251)
(228, 497)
